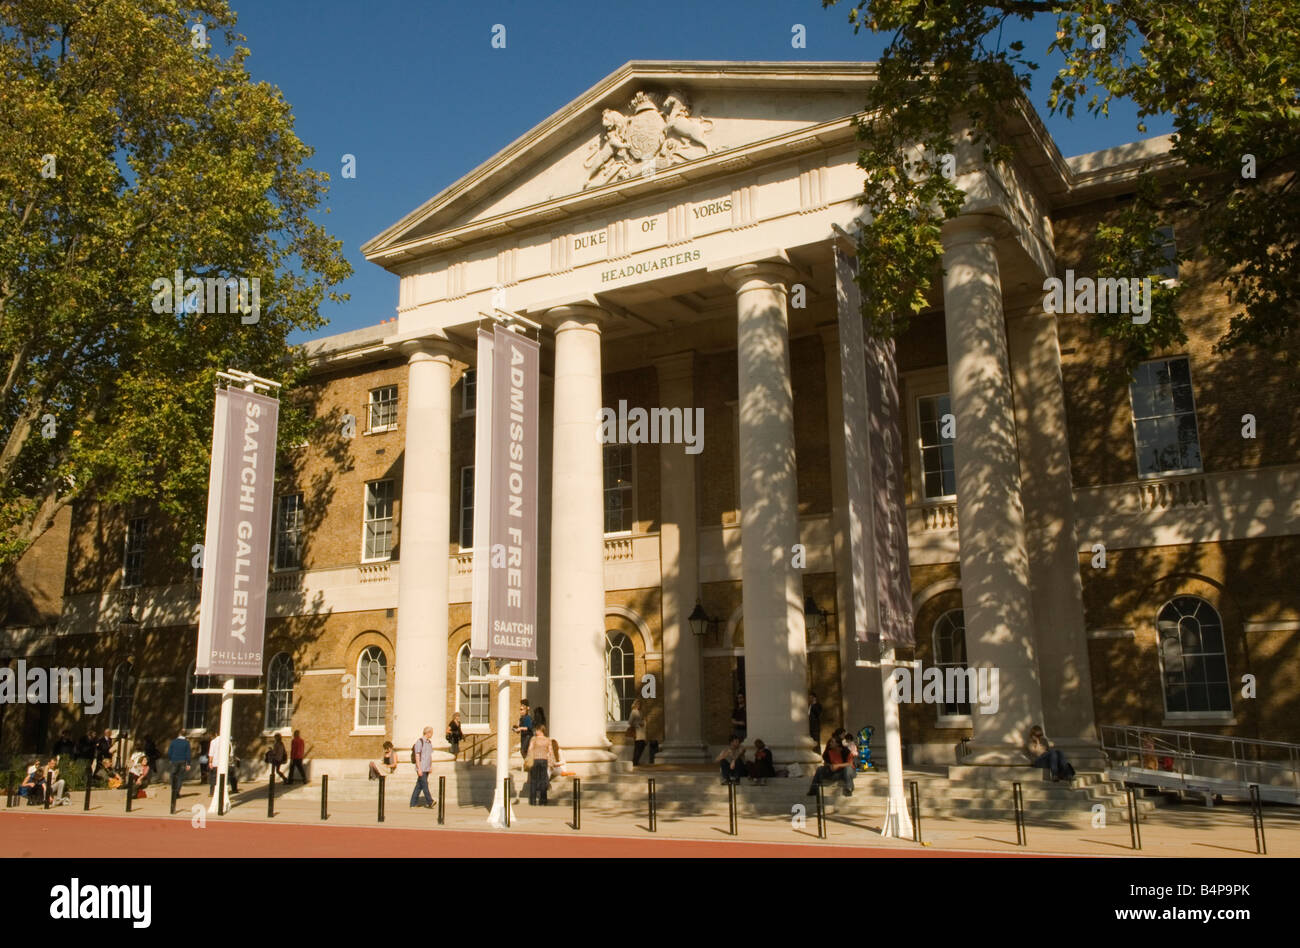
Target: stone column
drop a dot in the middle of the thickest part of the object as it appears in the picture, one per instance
(679, 569)
(776, 675)
(577, 648)
(861, 696)
(994, 559)
(420, 675)
(1051, 534)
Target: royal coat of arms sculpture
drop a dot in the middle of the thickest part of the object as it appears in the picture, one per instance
(654, 136)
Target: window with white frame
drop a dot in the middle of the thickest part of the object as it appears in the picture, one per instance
(467, 507)
(288, 532)
(378, 544)
(949, 639)
(620, 676)
(938, 471)
(473, 698)
(1164, 418)
(196, 706)
(1192, 653)
(279, 692)
(372, 687)
(137, 537)
(619, 514)
(123, 697)
(469, 391)
(383, 408)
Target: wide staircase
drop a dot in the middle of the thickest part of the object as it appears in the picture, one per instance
(955, 792)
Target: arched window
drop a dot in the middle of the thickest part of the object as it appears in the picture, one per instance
(949, 639)
(123, 697)
(1192, 652)
(620, 676)
(279, 692)
(372, 687)
(472, 698)
(196, 706)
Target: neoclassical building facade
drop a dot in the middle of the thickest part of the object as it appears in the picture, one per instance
(1121, 553)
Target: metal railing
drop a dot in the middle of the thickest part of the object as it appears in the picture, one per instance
(1200, 763)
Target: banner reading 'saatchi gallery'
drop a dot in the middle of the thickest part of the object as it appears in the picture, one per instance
(512, 595)
(232, 613)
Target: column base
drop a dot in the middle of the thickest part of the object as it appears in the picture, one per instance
(801, 752)
(683, 752)
(995, 755)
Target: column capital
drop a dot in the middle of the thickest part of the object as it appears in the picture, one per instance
(763, 273)
(971, 228)
(679, 365)
(429, 348)
(575, 316)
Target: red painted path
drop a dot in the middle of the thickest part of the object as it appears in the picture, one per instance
(89, 837)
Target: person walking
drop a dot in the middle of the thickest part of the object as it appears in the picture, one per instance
(541, 753)
(219, 746)
(297, 751)
(454, 735)
(178, 755)
(636, 732)
(524, 729)
(276, 757)
(422, 758)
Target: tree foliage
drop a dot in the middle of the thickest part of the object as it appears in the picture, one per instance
(165, 156)
(1225, 71)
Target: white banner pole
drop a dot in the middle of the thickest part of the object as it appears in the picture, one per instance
(499, 802)
(898, 822)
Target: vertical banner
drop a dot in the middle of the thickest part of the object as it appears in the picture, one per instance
(236, 550)
(512, 595)
(881, 594)
(889, 510)
(478, 634)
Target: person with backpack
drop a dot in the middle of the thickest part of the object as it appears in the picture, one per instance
(422, 758)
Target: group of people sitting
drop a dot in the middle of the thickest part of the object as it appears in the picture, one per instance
(734, 767)
(43, 779)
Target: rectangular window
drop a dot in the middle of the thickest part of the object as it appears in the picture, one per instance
(137, 535)
(379, 521)
(469, 391)
(1170, 249)
(1164, 418)
(618, 488)
(288, 532)
(383, 408)
(467, 507)
(938, 472)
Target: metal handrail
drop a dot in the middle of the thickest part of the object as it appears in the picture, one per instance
(1122, 743)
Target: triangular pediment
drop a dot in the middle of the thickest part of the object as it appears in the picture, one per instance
(644, 121)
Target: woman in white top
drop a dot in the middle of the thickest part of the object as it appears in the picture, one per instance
(557, 765)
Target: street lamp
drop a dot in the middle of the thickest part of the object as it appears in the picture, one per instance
(814, 618)
(699, 620)
(130, 625)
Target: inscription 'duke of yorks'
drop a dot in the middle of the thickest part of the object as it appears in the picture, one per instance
(653, 136)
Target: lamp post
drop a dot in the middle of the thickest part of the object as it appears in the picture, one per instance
(128, 625)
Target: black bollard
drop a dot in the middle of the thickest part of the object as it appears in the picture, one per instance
(509, 792)
(1134, 831)
(1019, 802)
(49, 789)
(324, 796)
(270, 795)
(916, 813)
(577, 803)
(653, 824)
(1257, 818)
(9, 796)
(130, 791)
(221, 794)
(731, 804)
(89, 780)
(821, 811)
(382, 778)
(176, 792)
(442, 799)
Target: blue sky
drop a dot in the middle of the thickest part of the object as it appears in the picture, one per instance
(414, 89)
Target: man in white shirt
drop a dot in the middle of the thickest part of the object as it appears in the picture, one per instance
(422, 757)
(215, 750)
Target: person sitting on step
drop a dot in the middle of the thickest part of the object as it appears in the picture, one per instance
(731, 762)
(838, 765)
(1041, 754)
